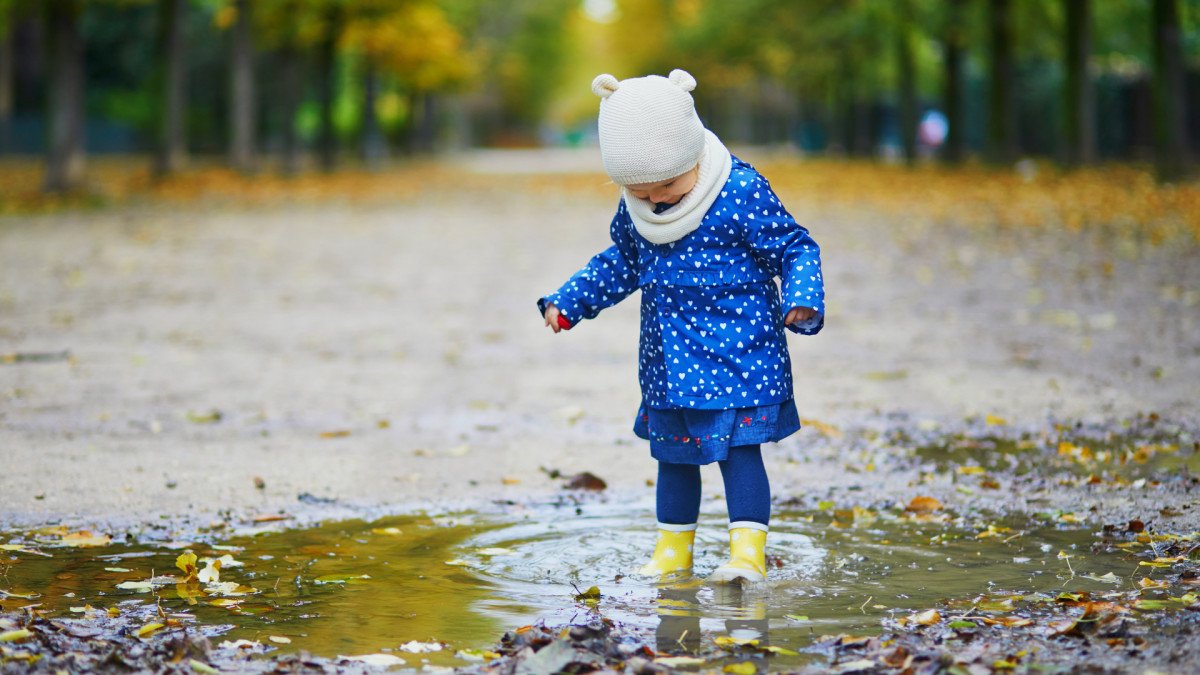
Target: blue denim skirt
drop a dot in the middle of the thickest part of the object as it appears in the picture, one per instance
(682, 436)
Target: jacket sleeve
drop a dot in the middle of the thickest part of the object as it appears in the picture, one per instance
(787, 251)
(608, 278)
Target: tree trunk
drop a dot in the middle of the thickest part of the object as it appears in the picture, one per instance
(241, 99)
(374, 146)
(955, 44)
(1171, 152)
(172, 141)
(1002, 120)
(7, 80)
(1080, 123)
(907, 70)
(291, 82)
(326, 60)
(65, 161)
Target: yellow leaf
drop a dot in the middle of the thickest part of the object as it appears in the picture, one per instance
(85, 539)
(926, 618)
(742, 668)
(1147, 583)
(16, 635)
(149, 629)
(728, 641)
(994, 421)
(186, 562)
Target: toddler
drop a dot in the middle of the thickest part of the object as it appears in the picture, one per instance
(702, 235)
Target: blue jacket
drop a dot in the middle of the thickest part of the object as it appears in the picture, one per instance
(712, 334)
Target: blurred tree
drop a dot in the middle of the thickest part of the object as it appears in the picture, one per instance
(1002, 118)
(954, 45)
(906, 78)
(1170, 134)
(65, 159)
(7, 79)
(1079, 126)
(242, 106)
(172, 138)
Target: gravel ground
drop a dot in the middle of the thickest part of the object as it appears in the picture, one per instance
(389, 356)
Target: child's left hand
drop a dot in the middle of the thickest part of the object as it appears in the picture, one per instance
(798, 314)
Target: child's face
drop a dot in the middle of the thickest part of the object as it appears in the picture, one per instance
(668, 191)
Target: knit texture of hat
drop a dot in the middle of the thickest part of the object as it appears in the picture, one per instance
(649, 129)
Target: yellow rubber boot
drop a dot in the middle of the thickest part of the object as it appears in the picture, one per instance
(747, 555)
(673, 552)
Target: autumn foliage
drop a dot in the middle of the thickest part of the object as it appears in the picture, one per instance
(1120, 199)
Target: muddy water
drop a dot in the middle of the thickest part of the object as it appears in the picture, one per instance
(356, 587)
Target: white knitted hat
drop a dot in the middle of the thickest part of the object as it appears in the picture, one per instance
(649, 129)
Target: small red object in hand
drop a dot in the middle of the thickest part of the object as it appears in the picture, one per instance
(563, 322)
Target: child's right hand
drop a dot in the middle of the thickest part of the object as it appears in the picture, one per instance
(555, 320)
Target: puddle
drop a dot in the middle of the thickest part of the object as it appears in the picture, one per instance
(355, 587)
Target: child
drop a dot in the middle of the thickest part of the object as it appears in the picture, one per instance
(702, 235)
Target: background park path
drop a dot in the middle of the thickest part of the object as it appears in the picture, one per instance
(387, 353)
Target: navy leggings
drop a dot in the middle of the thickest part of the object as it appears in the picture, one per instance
(747, 491)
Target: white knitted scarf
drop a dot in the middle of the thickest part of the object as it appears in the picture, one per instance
(683, 218)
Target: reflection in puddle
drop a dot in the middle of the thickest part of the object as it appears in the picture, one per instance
(355, 587)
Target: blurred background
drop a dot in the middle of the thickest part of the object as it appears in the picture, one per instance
(288, 86)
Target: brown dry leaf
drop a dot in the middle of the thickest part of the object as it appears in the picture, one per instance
(1146, 583)
(510, 480)
(336, 433)
(586, 481)
(269, 517)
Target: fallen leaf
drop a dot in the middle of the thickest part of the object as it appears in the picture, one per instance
(377, 660)
(476, 655)
(269, 517)
(209, 417)
(510, 480)
(796, 617)
(923, 505)
(336, 433)
(279, 639)
(139, 586)
(18, 548)
(211, 573)
(741, 668)
(591, 594)
(730, 641)
(149, 629)
(586, 481)
(201, 667)
(496, 551)
(1146, 583)
(415, 647)
(679, 661)
(994, 420)
(84, 539)
(926, 618)
(16, 635)
(186, 562)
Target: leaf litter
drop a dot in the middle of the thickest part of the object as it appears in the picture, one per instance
(1120, 588)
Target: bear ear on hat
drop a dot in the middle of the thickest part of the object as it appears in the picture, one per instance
(682, 79)
(604, 85)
